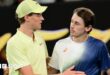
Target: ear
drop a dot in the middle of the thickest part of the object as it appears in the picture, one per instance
(26, 18)
(89, 28)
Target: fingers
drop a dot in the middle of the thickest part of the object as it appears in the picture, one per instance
(79, 73)
(71, 68)
(70, 72)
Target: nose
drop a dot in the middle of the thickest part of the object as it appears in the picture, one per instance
(42, 18)
(72, 25)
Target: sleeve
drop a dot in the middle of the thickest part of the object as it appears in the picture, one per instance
(104, 58)
(16, 56)
(54, 62)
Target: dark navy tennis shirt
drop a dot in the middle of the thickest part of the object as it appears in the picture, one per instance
(95, 59)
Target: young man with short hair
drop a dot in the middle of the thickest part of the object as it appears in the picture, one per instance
(26, 51)
(80, 51)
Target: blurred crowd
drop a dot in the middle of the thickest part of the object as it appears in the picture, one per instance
(5, 3)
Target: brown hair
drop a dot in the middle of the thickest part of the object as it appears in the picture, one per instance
(87, 15)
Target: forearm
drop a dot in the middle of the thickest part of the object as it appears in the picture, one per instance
(52, 71)
(47, 60)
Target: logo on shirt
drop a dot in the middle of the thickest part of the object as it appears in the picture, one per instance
(40, 43)
(65, 50)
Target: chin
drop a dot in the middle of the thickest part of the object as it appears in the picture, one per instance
(73, 35)
(39, 28)
(36, 29)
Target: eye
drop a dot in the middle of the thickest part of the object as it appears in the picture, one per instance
(77, 23)
(37, 14)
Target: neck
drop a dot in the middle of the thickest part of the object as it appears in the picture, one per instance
(26, 30)
(80, 38)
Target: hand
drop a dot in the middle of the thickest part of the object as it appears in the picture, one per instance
(72, 72)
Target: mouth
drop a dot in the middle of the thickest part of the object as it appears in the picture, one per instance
(72, 32)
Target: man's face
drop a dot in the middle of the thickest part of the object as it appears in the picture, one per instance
(77, 26)
(35, 21)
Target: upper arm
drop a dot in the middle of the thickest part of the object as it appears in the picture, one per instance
(26, 70)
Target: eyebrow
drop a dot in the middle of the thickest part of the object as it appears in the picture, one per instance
(75, 21)
(37, 13)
